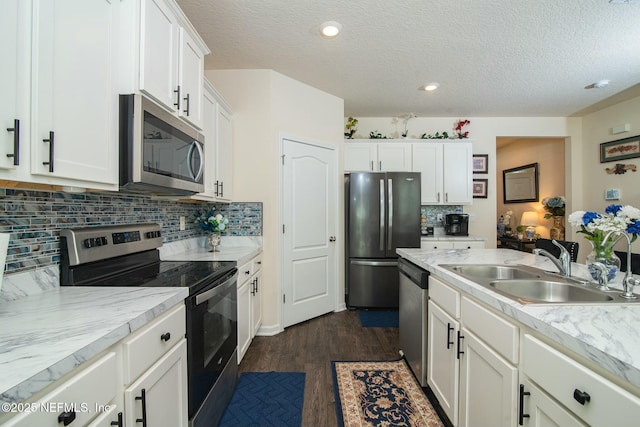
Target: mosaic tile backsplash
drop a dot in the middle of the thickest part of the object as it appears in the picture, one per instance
(430, 215)
(35, 218)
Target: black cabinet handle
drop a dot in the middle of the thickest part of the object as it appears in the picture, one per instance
(222, 189)
(50, 141)
(449, 329)
(581, 396)
(186, 98)
(67, 418)
(143, 399)
(521, 414)
(253, 287)
(120, 422)
(16, 142)
(177, 92)
(257, 281)
(165, 337)
(460, 338)
(217, 185)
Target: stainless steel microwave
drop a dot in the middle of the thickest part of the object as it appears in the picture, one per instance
(159, 153)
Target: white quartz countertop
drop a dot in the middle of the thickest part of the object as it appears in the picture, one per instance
(452, 238)
(238, 249)
(47, 335)
(608, 335)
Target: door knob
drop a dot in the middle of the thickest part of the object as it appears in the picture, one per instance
(332, 238)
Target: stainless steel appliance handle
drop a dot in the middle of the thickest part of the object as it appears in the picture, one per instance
(382, 214)
(196, 175)
(217, 290)
(390, 202)
(376, 263)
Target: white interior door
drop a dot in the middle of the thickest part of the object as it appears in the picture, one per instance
(309, 230)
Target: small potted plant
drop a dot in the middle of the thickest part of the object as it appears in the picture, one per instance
(214, 224)
(351, 127)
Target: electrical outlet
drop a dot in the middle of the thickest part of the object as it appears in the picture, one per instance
(439, 217)
(182, 224)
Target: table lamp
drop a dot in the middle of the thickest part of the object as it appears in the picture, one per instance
(530, 220)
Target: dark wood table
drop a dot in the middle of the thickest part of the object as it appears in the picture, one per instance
(524, 245)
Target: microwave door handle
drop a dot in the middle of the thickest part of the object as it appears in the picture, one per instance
(196, 176)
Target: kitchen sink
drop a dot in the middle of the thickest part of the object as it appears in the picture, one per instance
(530, 285)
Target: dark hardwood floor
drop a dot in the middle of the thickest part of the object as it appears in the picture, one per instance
(310, 347)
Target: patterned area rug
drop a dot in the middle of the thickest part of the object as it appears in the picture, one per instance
(380, 393)
(266, 399)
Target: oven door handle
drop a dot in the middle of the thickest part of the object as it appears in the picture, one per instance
(230, 282)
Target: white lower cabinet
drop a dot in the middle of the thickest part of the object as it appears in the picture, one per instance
(249, 303)
(536, 408)
(452, 244)
(159, 396)
(143, 377)
(582, 392)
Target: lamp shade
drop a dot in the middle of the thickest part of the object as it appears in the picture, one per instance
(529, 218)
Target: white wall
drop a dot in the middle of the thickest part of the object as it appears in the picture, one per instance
(483, 133)
(598, 129)
(266, 106)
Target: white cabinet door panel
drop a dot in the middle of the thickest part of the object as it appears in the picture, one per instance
(191, 78)
(394, 157)
(457, 173)
(360, 157)
(427, 159)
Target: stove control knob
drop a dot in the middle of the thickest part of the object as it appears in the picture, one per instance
(152, 234)
(103, 240)
(88, 243)
(97, 241)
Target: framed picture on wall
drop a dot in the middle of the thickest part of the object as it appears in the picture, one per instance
(627, 148)
(480, 163)
(480, 188)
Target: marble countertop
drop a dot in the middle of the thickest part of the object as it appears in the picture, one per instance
(47, 335)
(608, 335)
(239, 249)
(445, 237)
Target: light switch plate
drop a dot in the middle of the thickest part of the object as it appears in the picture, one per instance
(182, 223)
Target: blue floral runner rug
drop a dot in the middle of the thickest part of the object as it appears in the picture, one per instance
(266, 399)
(380, 393)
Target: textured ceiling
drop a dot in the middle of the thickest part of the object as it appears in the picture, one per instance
(492, 58)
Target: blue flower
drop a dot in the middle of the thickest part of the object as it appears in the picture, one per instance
(589, 217)
(613, 209)
(634, 227)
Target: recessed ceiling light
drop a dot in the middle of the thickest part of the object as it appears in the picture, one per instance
(430, 86)
(598, 85)
(330, 28)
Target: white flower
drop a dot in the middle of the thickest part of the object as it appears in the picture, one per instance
(221, 226)
(219, 217)
(575, 219)
(629, 212)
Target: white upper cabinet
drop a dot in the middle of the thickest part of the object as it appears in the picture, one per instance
(377, 157)
(218, 150)
(74, 94)
(159, 53)
(447, 174)
(60, 114)
(171, 59)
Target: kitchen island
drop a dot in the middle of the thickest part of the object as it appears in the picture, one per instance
(606, 334)
(569, 363)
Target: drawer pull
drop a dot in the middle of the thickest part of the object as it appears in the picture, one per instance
(460, 338)
(165, 337)
(67, 418)
(522, 415)
(143, 399)
(248, 272)
(120, 422)
(449, 329)
(581, 396)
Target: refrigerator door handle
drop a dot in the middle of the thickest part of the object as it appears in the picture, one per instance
(382, 214)
(376, 263)
(390, 202)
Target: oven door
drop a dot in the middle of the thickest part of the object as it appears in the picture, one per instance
(212, 336)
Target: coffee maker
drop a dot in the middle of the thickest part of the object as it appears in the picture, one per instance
(456, 224)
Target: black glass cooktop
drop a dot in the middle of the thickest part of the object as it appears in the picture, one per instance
(138, 271)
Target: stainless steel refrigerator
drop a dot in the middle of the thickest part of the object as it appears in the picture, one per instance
(382, 214)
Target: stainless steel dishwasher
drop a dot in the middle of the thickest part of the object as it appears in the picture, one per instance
(413, 316)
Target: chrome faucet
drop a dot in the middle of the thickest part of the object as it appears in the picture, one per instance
(563, 262)
(629, 281)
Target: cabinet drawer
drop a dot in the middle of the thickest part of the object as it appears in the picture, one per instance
(468, 245)
(435, 244)
(562, 377)
(144, 348)
(256, 265)
(501, 334)
(90, 389)
(445, 297)
(245, 271)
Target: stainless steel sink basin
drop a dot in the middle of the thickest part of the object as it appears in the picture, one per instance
(530, 285)
(549, 291)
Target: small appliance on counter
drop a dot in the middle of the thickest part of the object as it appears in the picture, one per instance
(456, 224)
(427, 231)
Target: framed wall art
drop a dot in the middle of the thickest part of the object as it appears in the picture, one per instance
(627, 148)
(480, 163)
(480, 188)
